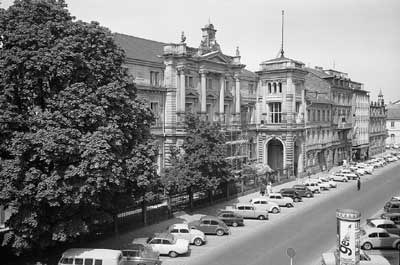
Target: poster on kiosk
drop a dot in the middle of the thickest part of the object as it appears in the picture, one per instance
(348, 237)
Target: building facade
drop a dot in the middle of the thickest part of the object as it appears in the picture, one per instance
(361, 123)
(292, 118)
(393, 124)
(377, 126)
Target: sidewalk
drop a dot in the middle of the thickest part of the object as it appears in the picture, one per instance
(182, 216)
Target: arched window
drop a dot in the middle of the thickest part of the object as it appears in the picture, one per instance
(274, 87)
(280, 87)
(269, 88)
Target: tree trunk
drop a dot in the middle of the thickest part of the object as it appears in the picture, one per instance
(169, 207)
(227, 190)
(210, 197)
(115, 221)
(144, 211)
(190, 193)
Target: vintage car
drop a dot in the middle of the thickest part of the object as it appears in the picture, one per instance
(280, 199)
(165, 244)
(210, 225)
(248, 210)
(265, 204)
(192, 235)
(138, 254)
(230, 218)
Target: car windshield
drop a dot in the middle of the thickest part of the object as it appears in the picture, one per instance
(149, 239)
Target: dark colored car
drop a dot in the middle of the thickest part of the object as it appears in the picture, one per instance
(303, 191)
(395, 217)
(210, 225)
(135, 254)
(230, 218)
(292, 193)
(392, 207)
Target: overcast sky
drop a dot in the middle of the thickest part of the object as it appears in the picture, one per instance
(359, 37)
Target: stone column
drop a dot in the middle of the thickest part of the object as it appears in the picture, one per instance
(203, 95)
(221, 97)
(182, 92)
(237, 95)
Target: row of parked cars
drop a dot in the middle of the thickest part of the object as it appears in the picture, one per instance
(177, 239)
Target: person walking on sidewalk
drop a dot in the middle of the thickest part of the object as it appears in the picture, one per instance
(358, 183)
(262, 189)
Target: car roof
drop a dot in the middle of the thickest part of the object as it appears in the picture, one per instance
(180, 226)
(370, 230)
(209, 217)
(299, 185)
(163, 235)
(275, 194)
(92, 252)
(287, 189)
(381, 221)
(244, 204)
(394, 202)
(391, 214)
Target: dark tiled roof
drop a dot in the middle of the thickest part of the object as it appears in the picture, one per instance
(319, 73)
(140, 49)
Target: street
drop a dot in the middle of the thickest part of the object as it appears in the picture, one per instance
(309, 228)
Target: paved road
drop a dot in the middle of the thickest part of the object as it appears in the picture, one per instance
(310, 230)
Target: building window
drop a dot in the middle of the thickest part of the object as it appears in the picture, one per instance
(189, 82)
(189, 107)
(209, 112)
(280, 87)
(251, 89)
(308, 115)
(313, 115)
(154, 106)
(392, 124)
(323, 115)
(274, 87)
(269, 88)
(275, 110)
(154, 78)
(209, 83)
(318, 115)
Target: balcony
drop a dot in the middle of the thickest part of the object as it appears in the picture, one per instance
(345, 125)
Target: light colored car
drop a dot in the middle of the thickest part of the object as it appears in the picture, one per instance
(378, 238)
(322, 184)
(349, 174)
(194, 236)
(248, 210)
(263, 203)
(388, 225)
(339, 177)
(366, 167)
(312, 185)
(165, 244)
(280, 200)
(329, 258)
(331, 183)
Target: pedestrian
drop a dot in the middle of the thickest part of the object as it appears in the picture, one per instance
(358, 183)
(269, 188)
(262, 189)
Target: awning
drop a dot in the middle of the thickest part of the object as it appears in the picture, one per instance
(237, 142)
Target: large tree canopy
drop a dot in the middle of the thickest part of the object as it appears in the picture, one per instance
(200, 164)
(75, 144)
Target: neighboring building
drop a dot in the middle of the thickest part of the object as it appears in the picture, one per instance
(377, 126)
(393, 123)
(360, 133)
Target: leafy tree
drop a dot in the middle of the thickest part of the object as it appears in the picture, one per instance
(200, 164)
(75, 143)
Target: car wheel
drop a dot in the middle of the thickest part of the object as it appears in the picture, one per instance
(398, 246)
(289, 205)
(296, 199)
(220, 232)
(275, 210)
(345, 180)
(261, 217)
(173, 254)
(234, 224)
(367, 246)
(198, 241)
(308, 195)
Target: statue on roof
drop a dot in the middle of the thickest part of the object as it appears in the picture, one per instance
(183, 37)
(237, 51)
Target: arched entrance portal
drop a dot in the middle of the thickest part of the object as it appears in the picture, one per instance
(275, 154)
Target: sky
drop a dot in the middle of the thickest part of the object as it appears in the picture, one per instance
(358, 37)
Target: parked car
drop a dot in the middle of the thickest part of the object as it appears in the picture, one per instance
(264, 203)
(230, 218)
(248, 210)
(388, 225)
(392, 207)
(182, 231)
(210, 225)
(366, 167)
(312, 185)
(395, 217)
(395, 198)
(139, 254)
(303, 191)
(350, 175)
(165, 244)
(330, 182)
(83, 255)
(292, 193)
(280, 200)
(339, 177)
(329, 258)
(378, 238)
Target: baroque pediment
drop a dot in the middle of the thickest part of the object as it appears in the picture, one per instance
(217, 57)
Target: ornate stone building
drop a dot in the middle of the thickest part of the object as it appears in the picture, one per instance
(393, 124)
(377, 126)
(287, 116)
(361, 123)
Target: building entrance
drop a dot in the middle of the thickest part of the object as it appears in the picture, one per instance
(275, 154)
